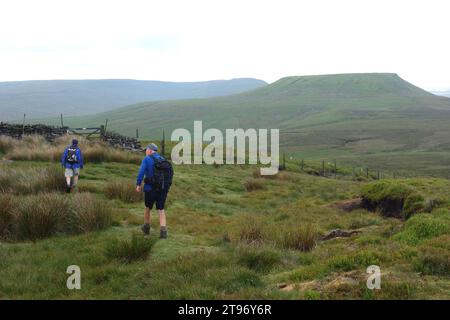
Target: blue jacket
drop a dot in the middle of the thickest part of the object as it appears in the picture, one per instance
(147, 170)
(68, 165)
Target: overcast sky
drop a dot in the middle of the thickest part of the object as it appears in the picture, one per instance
(192, 40)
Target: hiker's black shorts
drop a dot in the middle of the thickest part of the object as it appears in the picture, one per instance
(155, 196)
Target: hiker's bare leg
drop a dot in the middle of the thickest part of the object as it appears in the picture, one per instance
(75, 180)
(68, 181)
(147, 216)
(162, 218)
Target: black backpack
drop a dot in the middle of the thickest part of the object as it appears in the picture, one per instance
(162, 174)
(72, 155)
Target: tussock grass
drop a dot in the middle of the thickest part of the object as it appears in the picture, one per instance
(138, 248)
(124, 190)
(88, 214)
(46, 214)
(251, 230)
(6, 143)
(40, 216)
(36, 148)
(301, 238)
(32, 180)
(253, 185)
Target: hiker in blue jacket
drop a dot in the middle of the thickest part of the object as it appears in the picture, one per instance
(72, 161)
(154, 191)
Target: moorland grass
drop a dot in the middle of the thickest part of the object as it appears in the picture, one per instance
(36, 148)
(43, 215)
(124, 190)
(138, 248)
(32, 180)
(198, 262)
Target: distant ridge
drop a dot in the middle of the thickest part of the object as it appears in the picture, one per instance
(289, 103)
(442, 93)
(49, 98)
(356, 118)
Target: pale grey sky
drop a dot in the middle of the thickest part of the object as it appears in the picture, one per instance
(193, 40)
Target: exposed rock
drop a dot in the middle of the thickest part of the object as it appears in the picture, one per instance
(344, 282)
(338, 233)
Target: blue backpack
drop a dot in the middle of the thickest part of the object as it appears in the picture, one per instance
(162, 174)
(72, 155)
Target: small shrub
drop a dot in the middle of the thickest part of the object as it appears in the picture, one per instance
(253, 184)
(301, 238)
(128, 251)
(124, 190)
(433, 261)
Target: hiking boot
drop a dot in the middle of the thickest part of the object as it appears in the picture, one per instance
(163, 234)
(146, 229)
(68, 189)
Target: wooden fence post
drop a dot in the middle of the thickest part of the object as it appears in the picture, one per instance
(367, 172)
(62, 121)
(137, 133)
(335, 170)
(23, 125)
(323, 168)
(163, 143)
(303, 165)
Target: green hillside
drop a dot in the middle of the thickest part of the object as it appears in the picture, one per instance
(351, 117)
(49, 98)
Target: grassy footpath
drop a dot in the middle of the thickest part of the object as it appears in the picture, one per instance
(227, 242)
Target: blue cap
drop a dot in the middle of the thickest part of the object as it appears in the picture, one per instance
(152, 146)
(74, 142)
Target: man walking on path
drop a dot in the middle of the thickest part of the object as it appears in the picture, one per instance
(72, 161)
(158, 174)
